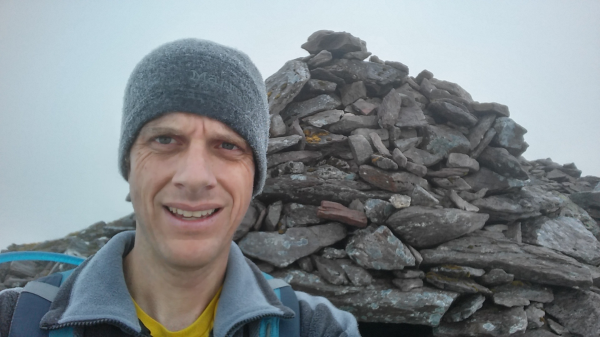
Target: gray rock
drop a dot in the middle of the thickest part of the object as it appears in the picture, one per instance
(490, 108)
(377, 248)
(277, 127)
(382, 133)
(432, 92)
(424, 306)
(577, 310)
(496, 228)
(330, 172)
(416, 169)
(23, 269)
(357, 205)
(364, 107)
(320, 87)
(526, 262)
(452, 88)
(464, 308)
(332, 253)
(468, 196)
(500, 161)
(338, 212)
(323, 118)
(459, 285)
(281, 250)
(514, 232)
(400, 201)
(557, 328)
(306, 264)
(408, 284)
(405, 144)
(398, 65)
(452, 183)
(539, 333)
(273, 215)
(356, 55)
(399, 158)
(570, 209)
(487, 139)
(519, 293)
(338, 43)
(351, 122)
(455, 271)
(487, 322)
(496, 277)
(352, 92)
(566, 235)
(462, 161)
(383, 162)
(299, 110)
(290, 167)
(557, 175)
(492, 181)
(389, 109)
(329, 270)
(420, 197)
(397, 182)
(378, 210)
(411, 116)
(453, 111)
(283, 86)
(535, 317)
(589, 201)
(377, 77)
(321, 58)
(317, 139)
(509, 135)
(426, 227)
(378, 144)
(361, 149)
(298, 215)
(424, 74)
(461, 203)
(442, 140)
(358, 276)
(423, 157)
(280, 143)
(477, 133)
(296, 156)
(529, 202)
(408, 273)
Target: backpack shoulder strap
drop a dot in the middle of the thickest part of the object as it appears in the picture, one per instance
(275, 327)
(34, 302)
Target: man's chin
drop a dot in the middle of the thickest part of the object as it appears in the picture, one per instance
(193, 255)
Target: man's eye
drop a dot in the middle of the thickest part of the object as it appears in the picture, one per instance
(228, 146)
(164, 140)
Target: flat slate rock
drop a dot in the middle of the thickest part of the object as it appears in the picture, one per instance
(490, 108)
(464, 308)
(281, 250)
(477, 133)
(358, 276)
(381, 304)
(317, 139)
(494, 182)
(323, 118)
(422, 157)
(377, 77)
(487, 322)
(299, 215)
(351, 122)
(338, 43)
(297, 156)
(459, 285)
(576, 310)
(396, 182)
(453, 111)
(442, 140)
(496, 277)
(299, 110)
(280, 143)
(283, 86)
(509, 135)
(564, 234)
(338, 212)
(526, 262)
(501, 161)
(389, 109)
(378, 248)
(423, 227)
(519, 293)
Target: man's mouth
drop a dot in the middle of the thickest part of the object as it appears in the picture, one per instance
(189, 215)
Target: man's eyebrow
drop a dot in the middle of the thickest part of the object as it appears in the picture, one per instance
(161, 130)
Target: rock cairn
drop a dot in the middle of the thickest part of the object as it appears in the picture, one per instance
(403, 200)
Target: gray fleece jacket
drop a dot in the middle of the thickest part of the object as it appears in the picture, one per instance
(96, 301)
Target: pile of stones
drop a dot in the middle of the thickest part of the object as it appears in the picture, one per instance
(403, 200)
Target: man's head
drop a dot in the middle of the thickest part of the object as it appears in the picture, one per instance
(193, 148)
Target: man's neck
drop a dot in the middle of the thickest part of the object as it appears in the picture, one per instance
(175, 297)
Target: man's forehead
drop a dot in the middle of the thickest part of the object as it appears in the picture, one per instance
(182, 123)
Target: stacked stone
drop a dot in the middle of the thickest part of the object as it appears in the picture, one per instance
(403, 200)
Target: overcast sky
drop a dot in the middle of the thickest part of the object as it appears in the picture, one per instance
(64, 65)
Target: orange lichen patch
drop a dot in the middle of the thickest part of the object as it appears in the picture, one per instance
(269, 94)
(283, 86)
(314, 137)
(277, 96)
(375, 159)
(518, 283)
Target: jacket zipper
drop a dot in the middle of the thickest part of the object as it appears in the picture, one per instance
(114, 322)
(249, 320)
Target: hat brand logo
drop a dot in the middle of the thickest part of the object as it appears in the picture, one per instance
(206, 78)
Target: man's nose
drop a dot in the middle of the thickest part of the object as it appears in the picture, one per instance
(195, 170)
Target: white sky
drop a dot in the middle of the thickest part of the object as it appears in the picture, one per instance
(64, 65)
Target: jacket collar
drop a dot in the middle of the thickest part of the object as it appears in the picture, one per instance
(97, 293)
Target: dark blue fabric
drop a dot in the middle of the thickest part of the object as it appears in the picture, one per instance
(29, 311)
(290, 327)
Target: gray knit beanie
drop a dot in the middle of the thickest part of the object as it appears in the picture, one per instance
(204, 78)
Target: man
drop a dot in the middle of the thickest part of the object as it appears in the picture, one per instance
(193, 149)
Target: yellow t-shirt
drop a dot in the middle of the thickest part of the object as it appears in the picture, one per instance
(200, 328)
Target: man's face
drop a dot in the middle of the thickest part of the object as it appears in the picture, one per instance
(190, 181)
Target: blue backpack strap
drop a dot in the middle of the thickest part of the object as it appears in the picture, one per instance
(34, 302)
(273, 326)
